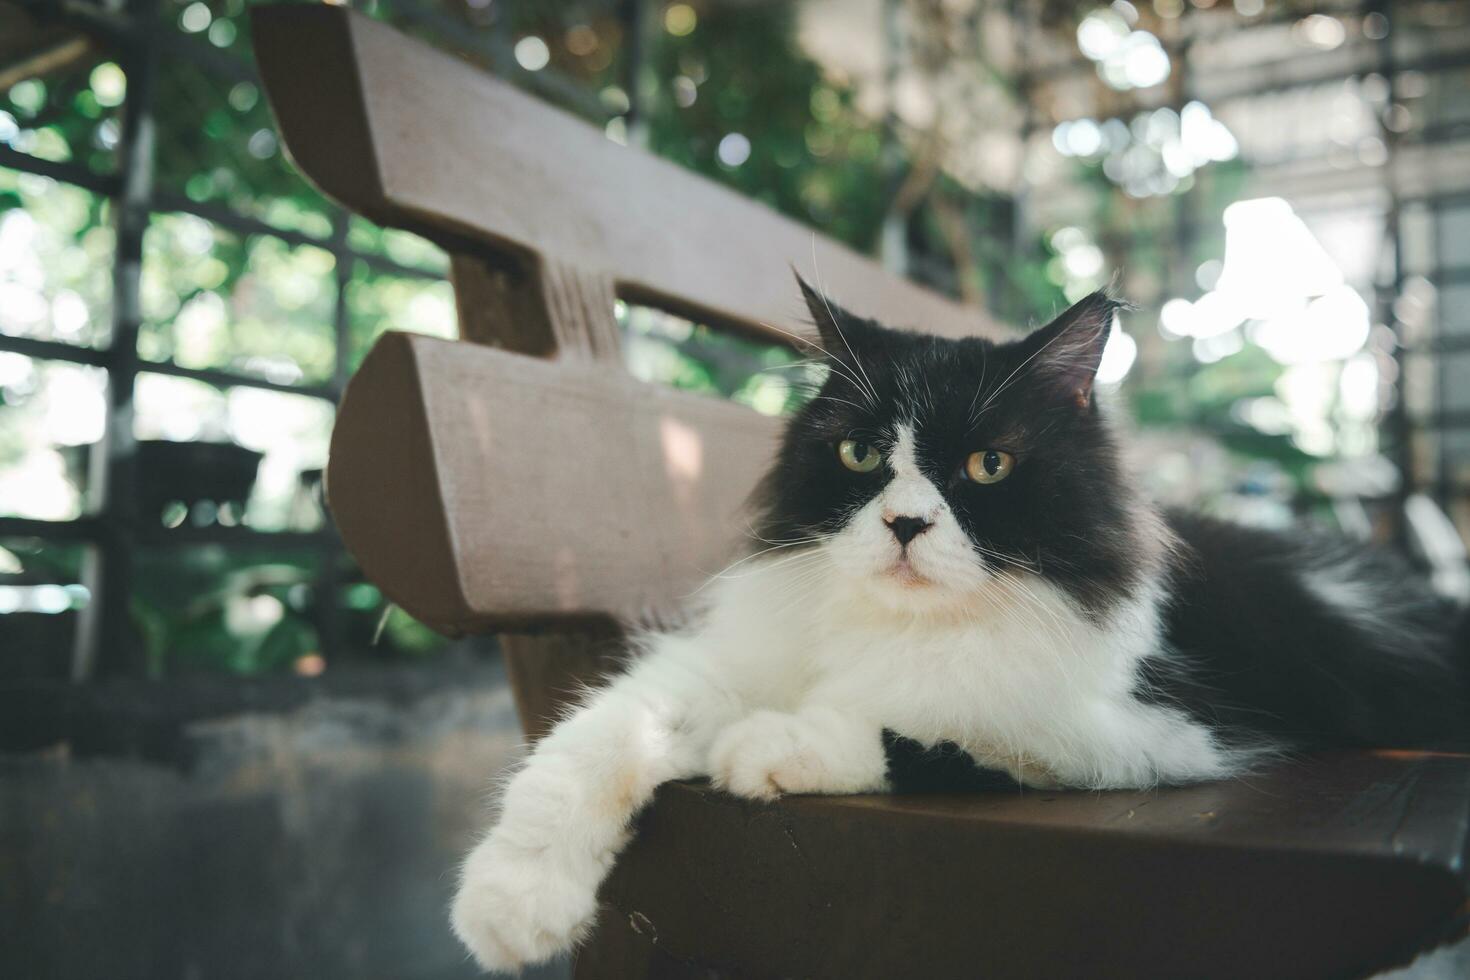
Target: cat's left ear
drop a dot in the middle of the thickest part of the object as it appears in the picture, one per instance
(838, 328)
(1068, 350)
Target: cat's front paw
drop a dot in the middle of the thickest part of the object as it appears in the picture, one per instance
(769, 753)
(517, 905)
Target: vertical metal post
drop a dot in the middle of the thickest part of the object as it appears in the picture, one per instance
(1400, 429)
(893, 235)
(329, 577)
(635, 43)
(1014, 309)
(105, 639)
(1182, 257)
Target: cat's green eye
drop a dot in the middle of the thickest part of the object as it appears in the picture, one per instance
(858, 456)
(989, 466)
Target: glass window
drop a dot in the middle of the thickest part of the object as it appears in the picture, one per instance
(1453, 303)
(212, 609)
(50, 414)
(665, 348)
(70, 114)
(238, 456)
(1454, 388)
(1454, 237)
(1416, 239)
(216, 138)
(40, 599)
(375, 629)
(216, 609)
(378, 301)
(248, 304)
(56, 252)
(405, 249)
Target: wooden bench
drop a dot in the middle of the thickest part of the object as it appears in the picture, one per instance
(521, 481)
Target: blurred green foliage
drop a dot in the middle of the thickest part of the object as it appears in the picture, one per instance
(811, 154)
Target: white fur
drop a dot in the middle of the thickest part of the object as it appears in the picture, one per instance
(798, 665)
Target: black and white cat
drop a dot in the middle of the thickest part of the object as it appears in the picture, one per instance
(949, 553)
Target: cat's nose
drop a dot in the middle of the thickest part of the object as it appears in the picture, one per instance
(905, 529)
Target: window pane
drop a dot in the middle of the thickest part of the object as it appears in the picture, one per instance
(55, 261)
(253, 305)
(217, 141)
(40, 599)
(1454, 237)
(1454, 383)
(220, 610)
(50, 413)
(664, 348)
(400, 246)
(1453, 305)
(243, 456)
(1416, 236)
(375, 629)
(69, 114)
(377, 301)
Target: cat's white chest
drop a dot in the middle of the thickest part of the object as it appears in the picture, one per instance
(952, 680)
(1022, 683)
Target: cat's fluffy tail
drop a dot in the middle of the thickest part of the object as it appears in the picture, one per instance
(1460, 652)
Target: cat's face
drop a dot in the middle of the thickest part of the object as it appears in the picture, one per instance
(931, 469)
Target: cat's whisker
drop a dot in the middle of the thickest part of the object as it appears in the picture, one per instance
(1007, 559)
(757, 536)
(822, 291)
(736, 564)
(974, 400)
(794, 561)
(1040, 607)
(801, 589)
(1012, 613)
(833, 398)
(1054, 628)
(1034, 602)
(835, 363)
(807, 364)
(1010, 377)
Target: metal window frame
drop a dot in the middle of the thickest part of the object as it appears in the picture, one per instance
(110, 528)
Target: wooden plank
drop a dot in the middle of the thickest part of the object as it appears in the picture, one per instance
(383, 489)
(1334, 865)
(544, 310)
(311, 80)
(500, 304)
(479, 487)
(550, 671)
(411, 136)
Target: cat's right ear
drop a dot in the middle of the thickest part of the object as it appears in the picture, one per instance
(1065, 354)
(835, 326)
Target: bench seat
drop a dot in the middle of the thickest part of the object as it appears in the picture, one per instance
(1332, 865)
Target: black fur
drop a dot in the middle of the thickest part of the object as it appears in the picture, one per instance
(1251, 648)
(944, 768)
(1256, 651)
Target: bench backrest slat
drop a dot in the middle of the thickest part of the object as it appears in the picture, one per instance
(530, 514)
(408, 135)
